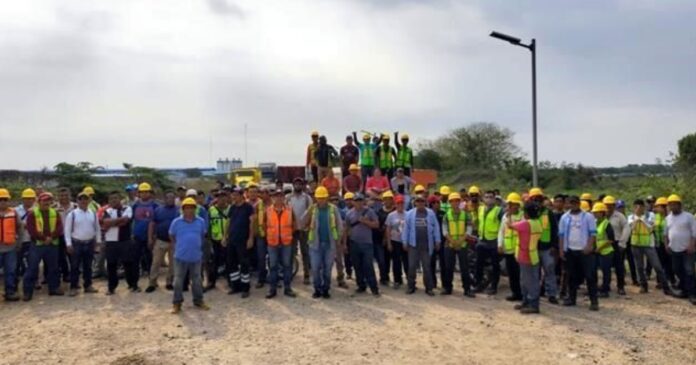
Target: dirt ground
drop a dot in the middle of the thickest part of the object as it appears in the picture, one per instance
(394, 329)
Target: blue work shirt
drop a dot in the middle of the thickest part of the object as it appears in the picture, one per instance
(164, 216)
(143, 212)
(323, 226)
(189, 239)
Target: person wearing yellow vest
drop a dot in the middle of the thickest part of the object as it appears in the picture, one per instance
(9, 228)
(508, 242)
(45, 228)
(311, 161)
(259, 233)
(279, 226)
(218, 222)
(385, 156)
(604, 247)
(618, 224)
(489, 219)
(472, 206)
(641, 225)
(529, 232)
(661, 213)
(404, 153)
(325, 227)
(456, 228)
(367, 155)
(680, 242)
(548, 245)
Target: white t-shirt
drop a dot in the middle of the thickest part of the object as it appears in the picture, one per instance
(111, 234)
(575, 242)
(395, 222)
(680, 229)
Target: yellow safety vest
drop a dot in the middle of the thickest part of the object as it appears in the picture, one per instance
(511, 239)
(457, 229)
(535, 230)
(604, 246)
(52, 220)
(332, 223)
(640, 234)
(489, 222)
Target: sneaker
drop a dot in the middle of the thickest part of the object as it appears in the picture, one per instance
(271, 295)
(529, 310)
(57, 293)
(326, 295)
(150, 289)
(135, 289)
(245, 295)
(169, 287)
(513, 298)
(202, 306)
(259, 285)
(316, 295)
(553, 300)
(594, 307)
(290, 293)
(72, 293)
(520, 306)
(176, 308)
(410, 291)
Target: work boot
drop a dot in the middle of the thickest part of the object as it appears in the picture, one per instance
(27, 297)
(72, 292)
(513, 298)
(594, 306)
(410, 290)
(57, 293)
(91, 290)
(529, 310)
(290, 293)
(621, 291)
(644, 289)
(553, 300)
(12, 297)
(469, 294)
(150, 289)
(568, 302)
(202, 306)
(520, 306)
(271, 294)
(176, 308)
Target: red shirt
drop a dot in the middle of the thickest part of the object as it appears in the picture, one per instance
(40, 236)
(331, 184)
(352, 183)
(380, 184)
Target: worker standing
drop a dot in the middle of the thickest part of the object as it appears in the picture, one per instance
(438, 254)
(381, 238)
(240, 239)
(680, 239)
(577, 232)
(45, 227)
(349, 155)
(64, 206)
(325, 156)
(324, 226)
(404, 154)
(367, 155)
(10, 224)
(299, 201)
(353, 183)
(395, 245)
(161, 244)
(618, 225)
(604, 247)
(219, 221)
(456, 227)
(660, 210)
(280, 224)
(385, 156)
(23, 237)
(421, 237)
(402, 185)
(529, 232)
(311, 161)
(259, 233)
(489, 219)
(143, 212)
(119, 247)
(508, 244)
(445, 191)
(360, 221)
(82, 233)
(548, 245)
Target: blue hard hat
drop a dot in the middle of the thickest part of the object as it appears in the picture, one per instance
(620, 203)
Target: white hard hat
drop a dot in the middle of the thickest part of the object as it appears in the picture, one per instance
(191, 192)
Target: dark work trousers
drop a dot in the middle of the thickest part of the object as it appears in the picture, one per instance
(605, 263)
(299, 238)
(451, 257)
(631, 263)
(666, 263)
(348, 260)
(487, 255)
(683, 264)
(238, 266)
(383, 258)
(315, 172)
(438, 257)
(389, 173)
(399, 259)
(81, 260)
(364, 265)
(619, 265)
(143, 256)
(581, 268)
(261, 263)
(216, 262)
(63, 260)
(366, 171)
(513, 271)
(122, 252)
(22, 260)
(49, 255)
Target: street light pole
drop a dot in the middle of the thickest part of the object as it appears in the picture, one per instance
(532, 48)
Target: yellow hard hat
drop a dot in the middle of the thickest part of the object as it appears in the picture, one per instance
(474, 190)
(609, 200)
(353, 167)
(445, 190)
(404, 136)
(418, 189)
(315, 134)
(661, 201)
(4, 193)
(586, 196)
(674, 198)
(514, 198)
(585, 206)
(366, 137)
(385, 136)
(348, 196)
(454, 196)
(321, 192)
(535, 192)
(88, 190)
(387, 194)
(144, 187)
(599, 207)
(28, 194)
(189, 202)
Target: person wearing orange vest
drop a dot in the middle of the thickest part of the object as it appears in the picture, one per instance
(279, 225)
(9, 228)
(45, 228)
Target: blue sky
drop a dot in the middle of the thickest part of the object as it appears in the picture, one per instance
(172, 83)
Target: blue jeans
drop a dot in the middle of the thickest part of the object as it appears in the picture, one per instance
(8, 261)
(548, 264)
(49, 255)
(605, 264)
(83, 255)
(193, 270)
(362, 257)
(283, 254)
(529, 278)
(322, 257)
(261, 251)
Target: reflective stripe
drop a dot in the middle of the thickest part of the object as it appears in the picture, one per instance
(52, 220)
(511, 239)
(367, 154)
(245, 278)
(385, 157)
(603, 244)
(403, 157)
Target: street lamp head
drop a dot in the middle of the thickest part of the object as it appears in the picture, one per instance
(505, 37)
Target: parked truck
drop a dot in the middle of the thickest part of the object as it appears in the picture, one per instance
(245, 176)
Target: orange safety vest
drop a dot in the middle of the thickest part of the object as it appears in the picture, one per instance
(8, 227)
(280, 226)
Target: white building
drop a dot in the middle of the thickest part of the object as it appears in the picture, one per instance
(227, 165)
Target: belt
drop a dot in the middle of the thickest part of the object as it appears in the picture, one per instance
(83, 242)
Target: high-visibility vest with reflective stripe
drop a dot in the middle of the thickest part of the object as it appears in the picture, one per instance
(8, 227)
(640, 235)
(312, 148)
(332, 223)
(52, 220)
(403, 156)
(603, 244)
(218, 223)
(535, 231)
(511, 239)
(367, 154)
(660, 224)
(385, 157)
(545, 226)
(260, 219)
(489, 223)
(457, 228)
(280, 226)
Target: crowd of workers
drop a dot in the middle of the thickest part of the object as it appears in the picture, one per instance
(550, 246)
